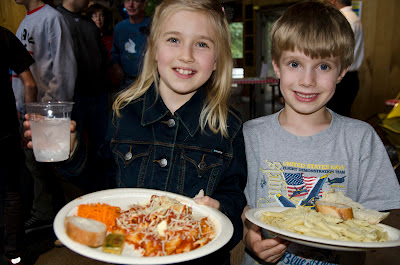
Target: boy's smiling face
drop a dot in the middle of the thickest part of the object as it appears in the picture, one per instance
(307, 84)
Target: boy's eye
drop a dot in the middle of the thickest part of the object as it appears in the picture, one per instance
(173, 40)
(202, 45)
(324, 67)
(294, 64)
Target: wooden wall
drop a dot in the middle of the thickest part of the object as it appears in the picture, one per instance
(11, 15)
(380, 71)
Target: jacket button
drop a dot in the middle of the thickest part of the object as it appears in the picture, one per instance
(171, 123)
(202, 165)
(163, 162)
(128, 156)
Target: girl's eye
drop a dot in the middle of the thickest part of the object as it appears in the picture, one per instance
(202, 45)
(324, 67)
(173, 40)
(294, 64)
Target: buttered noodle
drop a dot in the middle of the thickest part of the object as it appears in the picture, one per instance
(308, 222)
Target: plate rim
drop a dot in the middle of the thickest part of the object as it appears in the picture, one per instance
(323, 243)
(222, 237)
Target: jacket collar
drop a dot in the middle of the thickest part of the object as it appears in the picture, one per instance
(154, 109)
(66, 11)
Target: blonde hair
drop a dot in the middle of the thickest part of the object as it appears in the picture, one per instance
(319, 30)
(215, 110)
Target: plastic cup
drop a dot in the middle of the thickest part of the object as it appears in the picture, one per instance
(50, 127)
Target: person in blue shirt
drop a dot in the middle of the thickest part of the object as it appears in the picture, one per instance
(172, 129)
(129, 43)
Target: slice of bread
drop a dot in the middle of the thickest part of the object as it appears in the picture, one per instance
(86, 231)
(371, 216)
(339, 210)
(359, 212)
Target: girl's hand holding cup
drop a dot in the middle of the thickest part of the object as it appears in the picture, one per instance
(28, 134)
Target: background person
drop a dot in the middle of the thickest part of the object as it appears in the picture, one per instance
(347, 89)
(15, 57)
(101, 17)
(45, 35)
(92, 83)
(129, 43)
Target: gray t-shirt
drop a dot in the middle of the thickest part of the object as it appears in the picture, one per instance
(45, 35)
(286, 170)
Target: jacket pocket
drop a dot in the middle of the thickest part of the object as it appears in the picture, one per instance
(199, 170)
(132, 159)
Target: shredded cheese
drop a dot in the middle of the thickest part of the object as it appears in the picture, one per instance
(164, 226)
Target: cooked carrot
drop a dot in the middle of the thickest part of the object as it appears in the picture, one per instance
(102, 212)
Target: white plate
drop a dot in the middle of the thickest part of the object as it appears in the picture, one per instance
(125, 197)
(253, 215)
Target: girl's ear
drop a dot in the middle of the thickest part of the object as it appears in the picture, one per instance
(276, 69)
(215, 65)
(342, 74)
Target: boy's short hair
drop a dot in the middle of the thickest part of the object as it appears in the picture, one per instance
(319, 30)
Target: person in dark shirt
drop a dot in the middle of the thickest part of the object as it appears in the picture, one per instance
(101, 17)
(92, 84)
(13, 56)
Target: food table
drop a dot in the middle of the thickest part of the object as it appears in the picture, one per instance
(253, 82)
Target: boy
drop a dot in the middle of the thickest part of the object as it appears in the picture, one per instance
(296, 155)
(45, 35)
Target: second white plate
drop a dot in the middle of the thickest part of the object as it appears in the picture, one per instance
(253, 215)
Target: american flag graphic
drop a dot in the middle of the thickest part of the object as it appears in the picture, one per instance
(303, 185)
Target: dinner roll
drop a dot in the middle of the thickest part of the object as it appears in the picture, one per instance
(359, 211)
(339, 210)
(86, 231)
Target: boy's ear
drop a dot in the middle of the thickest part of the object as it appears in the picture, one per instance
(276, 69)
(342, 74)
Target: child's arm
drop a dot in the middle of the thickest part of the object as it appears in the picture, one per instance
(269, 250)
(30, 86)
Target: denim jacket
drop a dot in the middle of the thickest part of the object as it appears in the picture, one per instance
(152, 148)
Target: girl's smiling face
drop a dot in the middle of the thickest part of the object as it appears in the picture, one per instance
(186, 56)
(307, 84)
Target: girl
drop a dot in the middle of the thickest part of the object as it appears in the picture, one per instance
(172, 129)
